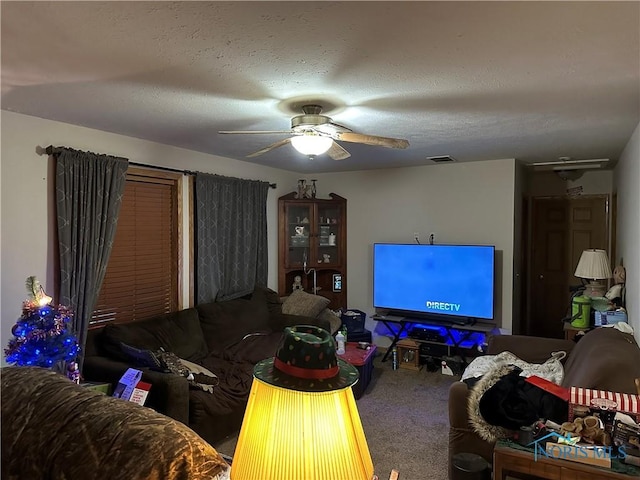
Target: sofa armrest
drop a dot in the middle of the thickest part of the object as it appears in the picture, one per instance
(528, 348)
(169, 393)
(282, 320)
(458, 416)
(462, 437)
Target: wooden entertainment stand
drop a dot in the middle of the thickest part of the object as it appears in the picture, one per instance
(398, 325)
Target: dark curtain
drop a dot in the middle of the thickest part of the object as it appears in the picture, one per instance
(89, 189)
(231, 236)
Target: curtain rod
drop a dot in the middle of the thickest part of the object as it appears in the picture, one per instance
(51, 150)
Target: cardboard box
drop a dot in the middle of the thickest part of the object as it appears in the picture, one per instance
(609, 317)
(97, 387)
(131, 388)
(626, 436)
(140, 393)
(600, 400)
(599, 456)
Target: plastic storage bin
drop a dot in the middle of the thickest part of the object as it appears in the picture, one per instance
(363, 361)
(354, 321)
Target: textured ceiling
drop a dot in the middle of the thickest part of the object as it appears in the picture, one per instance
(475, 80)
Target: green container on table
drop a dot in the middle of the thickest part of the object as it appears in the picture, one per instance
(581, 311)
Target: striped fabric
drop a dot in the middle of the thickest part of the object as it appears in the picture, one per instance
(621, 402)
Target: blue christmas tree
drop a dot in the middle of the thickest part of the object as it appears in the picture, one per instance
(41, 334)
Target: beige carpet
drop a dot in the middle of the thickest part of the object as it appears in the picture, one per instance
(405, 419)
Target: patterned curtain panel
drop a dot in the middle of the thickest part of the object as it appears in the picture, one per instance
(231, 236)
(89, 189)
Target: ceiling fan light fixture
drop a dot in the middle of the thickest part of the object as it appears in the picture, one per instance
(311, 144)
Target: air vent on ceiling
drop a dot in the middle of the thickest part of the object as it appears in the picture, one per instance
(442, 159)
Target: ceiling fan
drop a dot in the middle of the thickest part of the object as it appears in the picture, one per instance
(314, 134)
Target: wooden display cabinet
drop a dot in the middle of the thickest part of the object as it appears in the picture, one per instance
(312, 236)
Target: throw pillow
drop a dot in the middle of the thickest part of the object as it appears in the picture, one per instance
(140, 357)
(303, 303)
(334, 320)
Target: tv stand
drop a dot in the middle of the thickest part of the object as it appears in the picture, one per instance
(397, 325)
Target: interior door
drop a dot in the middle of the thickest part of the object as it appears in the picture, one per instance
(561, 229)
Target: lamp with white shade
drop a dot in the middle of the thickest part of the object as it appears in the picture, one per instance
(594, 266)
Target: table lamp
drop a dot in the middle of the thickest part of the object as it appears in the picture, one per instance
(301, 421)
(594, 266)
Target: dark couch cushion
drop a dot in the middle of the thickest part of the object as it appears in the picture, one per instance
(226, 323)
(605, 359)
(270, 298)
(177, 332)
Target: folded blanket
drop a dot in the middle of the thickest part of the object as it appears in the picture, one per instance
(551, 369)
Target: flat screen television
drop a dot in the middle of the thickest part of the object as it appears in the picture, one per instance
(442, 282)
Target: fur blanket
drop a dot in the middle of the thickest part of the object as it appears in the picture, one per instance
(503, 401)
(486, 431)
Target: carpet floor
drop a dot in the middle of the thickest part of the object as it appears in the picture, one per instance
(405, 418)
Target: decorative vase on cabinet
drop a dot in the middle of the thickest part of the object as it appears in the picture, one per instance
(313, 244)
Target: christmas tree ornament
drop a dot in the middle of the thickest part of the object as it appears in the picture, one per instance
(41, 335)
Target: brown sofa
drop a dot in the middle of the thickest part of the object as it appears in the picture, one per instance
(604, 359)
(228, 338)
(53, 428)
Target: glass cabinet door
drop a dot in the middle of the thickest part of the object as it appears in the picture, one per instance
(298, 226)
(312, 247)
(327, 247)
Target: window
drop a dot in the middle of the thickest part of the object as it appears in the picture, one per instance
(143, 274)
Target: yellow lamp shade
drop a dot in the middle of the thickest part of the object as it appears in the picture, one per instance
(297, 435)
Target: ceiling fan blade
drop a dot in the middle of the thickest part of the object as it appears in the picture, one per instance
(331, 128)
(337, 152)
(254, 131)
(268, 148)
(371, 139)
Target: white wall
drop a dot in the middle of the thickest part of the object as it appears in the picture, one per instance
(460, 203)
(627, 184)
(465, 203)
(27, 246)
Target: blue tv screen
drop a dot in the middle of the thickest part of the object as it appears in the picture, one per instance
(448, 280)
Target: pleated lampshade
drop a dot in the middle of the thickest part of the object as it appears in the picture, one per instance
(593, 265)
(297, 435)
